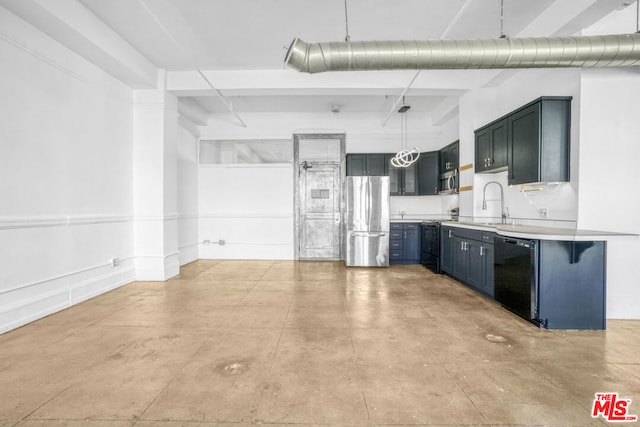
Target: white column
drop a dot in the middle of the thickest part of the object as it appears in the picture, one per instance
(155, 115)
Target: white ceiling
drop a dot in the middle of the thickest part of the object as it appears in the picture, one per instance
(241, 45)
(254, 34)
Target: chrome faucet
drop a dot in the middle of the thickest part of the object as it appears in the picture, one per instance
(503, 211)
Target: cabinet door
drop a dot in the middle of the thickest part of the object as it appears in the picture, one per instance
(356, 164)
(395, 181)
(498, 155)
(487, 269)
(411, 243)
(524, 152)
(454, 155)
(474, 264)
(483, 150)
(446, 250)
(376, 165)
(428, 177)
(444, 159)
(459, 259)
(409, 180)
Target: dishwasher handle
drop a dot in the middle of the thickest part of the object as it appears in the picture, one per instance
(522, 243)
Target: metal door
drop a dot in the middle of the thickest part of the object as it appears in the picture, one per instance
(320, 196)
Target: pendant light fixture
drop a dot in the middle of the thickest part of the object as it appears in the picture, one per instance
(404, 158)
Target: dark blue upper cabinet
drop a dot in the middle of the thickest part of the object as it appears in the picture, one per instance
(356, 164)
(491, 147)
(450, 157)
(363, 164)
(403, 181)
(524, 153)
(539, 141)
(428, 174)
(533, 142)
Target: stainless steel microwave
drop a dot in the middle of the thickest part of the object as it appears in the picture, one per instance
(449, 182)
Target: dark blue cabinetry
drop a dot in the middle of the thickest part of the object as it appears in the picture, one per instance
(404, 243)
(370, 164)
(467, 255)
(446, 250)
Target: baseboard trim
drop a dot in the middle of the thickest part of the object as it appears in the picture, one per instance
(188, 253)
(67, 291)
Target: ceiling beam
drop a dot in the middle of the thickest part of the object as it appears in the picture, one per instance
(568, 17)
(193, 111)
(272, 82)
(76, 27)
(445, 111)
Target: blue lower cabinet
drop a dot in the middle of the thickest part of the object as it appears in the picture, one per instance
(404, 243)
(468, 256)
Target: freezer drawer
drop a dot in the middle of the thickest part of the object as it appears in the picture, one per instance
(368, 249)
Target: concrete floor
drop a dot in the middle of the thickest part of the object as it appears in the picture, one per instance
(310, 343)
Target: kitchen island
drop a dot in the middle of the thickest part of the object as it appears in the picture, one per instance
(552, 277)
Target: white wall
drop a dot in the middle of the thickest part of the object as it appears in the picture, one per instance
(417, 207)
(65, 177)
(248, 206)
(609, 174)
(187, 171)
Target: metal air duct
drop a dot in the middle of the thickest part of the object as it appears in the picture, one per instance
(545, 52)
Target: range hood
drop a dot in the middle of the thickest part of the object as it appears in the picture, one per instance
(546, 52)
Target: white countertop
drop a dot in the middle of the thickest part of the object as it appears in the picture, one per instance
(542, 233)
(416, 219)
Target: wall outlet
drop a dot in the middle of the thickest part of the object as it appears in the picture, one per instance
(221, 242)
(206, 242)
(543, 212)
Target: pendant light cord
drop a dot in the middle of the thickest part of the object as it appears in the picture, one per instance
(637, 16)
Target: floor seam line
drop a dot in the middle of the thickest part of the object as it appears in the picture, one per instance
(173, 377)
(45, 403)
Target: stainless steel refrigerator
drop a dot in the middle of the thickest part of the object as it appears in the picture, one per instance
(367, 221)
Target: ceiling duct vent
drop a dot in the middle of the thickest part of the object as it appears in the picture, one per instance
(545, 52)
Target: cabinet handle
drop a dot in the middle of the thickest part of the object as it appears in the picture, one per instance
(462, 246)
(489, 160)
(485, 163)
(450, 234)
(405, 234)
(481, 250)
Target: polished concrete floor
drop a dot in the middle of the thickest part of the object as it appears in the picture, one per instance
(244, 342)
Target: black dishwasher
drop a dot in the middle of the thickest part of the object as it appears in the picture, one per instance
(516, 276)
(430, 254)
